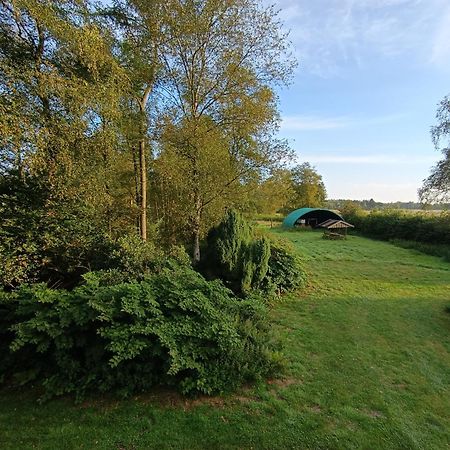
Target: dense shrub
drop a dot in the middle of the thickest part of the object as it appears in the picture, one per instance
(248, 260)
(20, 255)
(286, 271)
(44, 241)
(172, 327)
(136, 258)
(388, 225)
(6, 335)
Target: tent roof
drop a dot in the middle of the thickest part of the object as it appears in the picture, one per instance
(292, 217)
(327, 223)
(339, 224)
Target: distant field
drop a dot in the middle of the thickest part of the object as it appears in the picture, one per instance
(368, 367)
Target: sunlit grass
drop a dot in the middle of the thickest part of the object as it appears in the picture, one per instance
(368, 351)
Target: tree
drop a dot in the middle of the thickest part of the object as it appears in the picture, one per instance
(61, 89)
(271, 195)
(219, 63)
(139, 26)
(186, 179)
(436, 188)
(309, 189)
(350, 208)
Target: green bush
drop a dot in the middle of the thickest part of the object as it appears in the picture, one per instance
(234, 255)
(57, 243)
(45, 240)
(255, 264)
(428, 229)
(247, 260)
(172, 327)
(286, 271)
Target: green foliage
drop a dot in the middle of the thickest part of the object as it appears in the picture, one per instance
(229, 241)
(255, 264)
(308, 188)
(250, 261)
(436, 188)
(46, 240)
(85, 87)
(172, 328)
(271, 194)
(286, 271)
(6, 320)
(136, 257)
(350, 208)
(20, 255)
(424, 228)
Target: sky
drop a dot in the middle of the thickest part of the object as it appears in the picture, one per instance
(365, 93)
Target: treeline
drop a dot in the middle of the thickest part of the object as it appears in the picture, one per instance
(372, 204)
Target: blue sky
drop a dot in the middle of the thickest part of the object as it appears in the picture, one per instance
(365, 93)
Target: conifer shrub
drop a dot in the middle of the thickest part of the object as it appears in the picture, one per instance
(286, 271)
(172, 328)
(248, 261)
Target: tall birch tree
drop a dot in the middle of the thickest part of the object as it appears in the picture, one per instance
(220, 62)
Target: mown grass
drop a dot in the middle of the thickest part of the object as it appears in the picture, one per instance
(368, 350)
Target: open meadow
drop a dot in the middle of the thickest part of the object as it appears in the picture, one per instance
(368, 367)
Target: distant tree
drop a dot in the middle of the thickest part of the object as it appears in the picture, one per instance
(308, 187)
(436, 188)
(272, 194)
(350, 208)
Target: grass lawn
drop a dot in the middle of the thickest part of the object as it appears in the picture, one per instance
(368, 349)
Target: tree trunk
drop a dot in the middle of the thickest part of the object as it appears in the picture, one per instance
(196, 255)
(143, 193)
(143, 162)
(137, 189)
(196, 230)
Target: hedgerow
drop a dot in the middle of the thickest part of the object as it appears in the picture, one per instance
(390, 225)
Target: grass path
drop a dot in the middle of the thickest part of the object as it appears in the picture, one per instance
(368, 348)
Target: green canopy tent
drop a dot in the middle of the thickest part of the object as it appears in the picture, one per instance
(309, 217)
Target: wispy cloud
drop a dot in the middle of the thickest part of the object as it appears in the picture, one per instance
(311, 123)
(440, 54)
(331, 34)
(315, 123)
(367, 159)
